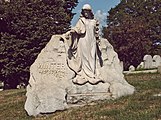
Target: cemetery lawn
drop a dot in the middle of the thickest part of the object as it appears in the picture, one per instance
(143, 105)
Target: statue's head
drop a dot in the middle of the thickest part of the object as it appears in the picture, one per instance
(87, 12)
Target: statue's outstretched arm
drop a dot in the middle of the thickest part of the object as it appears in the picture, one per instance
(80, 27)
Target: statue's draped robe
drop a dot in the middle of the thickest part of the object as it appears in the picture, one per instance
(82, 57)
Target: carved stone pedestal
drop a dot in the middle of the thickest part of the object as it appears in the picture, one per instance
(83, 94)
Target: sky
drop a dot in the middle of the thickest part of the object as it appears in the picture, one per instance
(100, 9)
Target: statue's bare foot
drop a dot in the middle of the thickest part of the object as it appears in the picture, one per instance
(79, 80)
(95, 80)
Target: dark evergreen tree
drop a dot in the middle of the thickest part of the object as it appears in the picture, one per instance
(25, 28)
(134, 29)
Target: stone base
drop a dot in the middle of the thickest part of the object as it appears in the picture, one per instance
(87, 93)
(81, 99)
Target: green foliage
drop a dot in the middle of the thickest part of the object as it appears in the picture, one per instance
(25, 28)
(134, 28)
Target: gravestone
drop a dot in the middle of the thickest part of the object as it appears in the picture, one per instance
(156, 61)
(74, 69)
(131, 68)
(148, 61)
(51, 87)
(140, 66)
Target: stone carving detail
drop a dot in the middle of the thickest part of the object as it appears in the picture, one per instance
(75, 68)
(55, 68)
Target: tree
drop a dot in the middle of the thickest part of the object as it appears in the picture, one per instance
(26, 26)
(133, 27)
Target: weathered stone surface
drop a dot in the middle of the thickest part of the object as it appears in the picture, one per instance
(121, 89)
(49, 76)
(80, 94)
(122, 66)
(148, 61)
(156, 61)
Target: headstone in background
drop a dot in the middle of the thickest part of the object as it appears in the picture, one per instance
(131, 68)
(140, 66)
(148, 62)
(156, 61)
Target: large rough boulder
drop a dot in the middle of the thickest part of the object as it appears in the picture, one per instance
(51, 86)
(49, 77)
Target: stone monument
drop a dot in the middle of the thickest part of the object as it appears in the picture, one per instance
(131, 68)
(75, 68)
(156, 61)
(140, 66)
(147, 61)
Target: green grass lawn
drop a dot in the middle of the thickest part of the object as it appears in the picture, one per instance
(143, 105)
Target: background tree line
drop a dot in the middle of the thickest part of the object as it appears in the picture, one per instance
(134, 29)
(25, 28)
